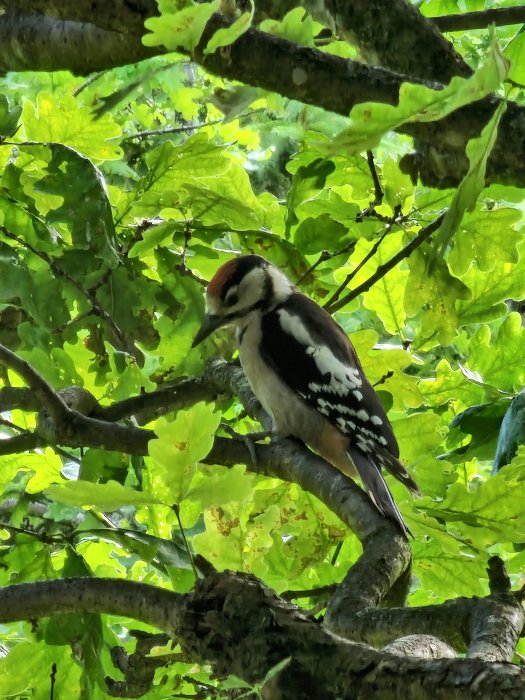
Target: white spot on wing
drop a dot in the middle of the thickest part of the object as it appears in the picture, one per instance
(358, 394)
(343, 378)
(376, 420)
(362, 414)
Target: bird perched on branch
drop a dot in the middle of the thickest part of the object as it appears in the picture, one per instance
(306, 374)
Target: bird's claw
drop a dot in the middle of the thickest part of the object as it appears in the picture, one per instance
(249, 440)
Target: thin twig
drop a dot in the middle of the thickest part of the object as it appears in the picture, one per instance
(382, 270)
(323, 257)
(176, 510)
(170, 130)
(89, 81)
(378, 190)
(350, 276)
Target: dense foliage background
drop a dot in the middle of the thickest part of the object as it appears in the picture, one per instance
(120, 196)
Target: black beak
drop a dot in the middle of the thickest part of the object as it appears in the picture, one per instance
(210, 324)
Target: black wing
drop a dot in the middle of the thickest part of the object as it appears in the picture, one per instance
(312, 354)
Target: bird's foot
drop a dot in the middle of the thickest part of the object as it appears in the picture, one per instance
(249, 440)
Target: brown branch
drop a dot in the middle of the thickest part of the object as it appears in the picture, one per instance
(145, 407)
(496, 629)
(12, 397)
(168, 130)
(310, 593)
(378, 190)
(461, 623)
(382, 270)
(424, 646)
(44, 392)
(500, 16)
(21, 443)
(241, 627)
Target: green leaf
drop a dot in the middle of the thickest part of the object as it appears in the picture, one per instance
(471, 186)
(433, 292)
(492, 513)
(499, 359)
(417, 103)
(482, 423)
(296, 26)
(386, 297)
(308, 181)
(448, 571)
(8, 117)
(25, 671)
(418, 434)
(515, 53)
(107, 497)
(226, 36)
(322, 233)
(449, 385)
(512, 433)
(217, 486)
(85, 207)
(181, 443)
(489, 290)
(64, 121)
(476, 244)
(384, 368)
(169, 552)
(181, 30)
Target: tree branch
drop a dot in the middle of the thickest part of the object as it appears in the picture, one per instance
(243, 628)
(383, 269)
(499, 16)
(393, 33)
(44, 392)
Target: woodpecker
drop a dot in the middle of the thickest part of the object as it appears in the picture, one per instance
(305, 372)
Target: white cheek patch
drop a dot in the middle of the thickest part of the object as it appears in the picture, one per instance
(251, 288)
(282, 287)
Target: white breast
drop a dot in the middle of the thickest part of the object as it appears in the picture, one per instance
(289, 413)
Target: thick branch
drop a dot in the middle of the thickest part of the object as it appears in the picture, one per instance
(29, 601)
(41, 42)
(12, 397)
(170, 398)
(463, 623)
(241, 627)
(395, 34)
(305, 74)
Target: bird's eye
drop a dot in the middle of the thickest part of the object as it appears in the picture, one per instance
(231, 300)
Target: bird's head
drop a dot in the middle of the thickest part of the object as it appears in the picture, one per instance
(238, 288)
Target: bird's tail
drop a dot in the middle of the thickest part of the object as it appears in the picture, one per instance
(376, 487)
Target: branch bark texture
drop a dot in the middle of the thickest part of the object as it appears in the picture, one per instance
(240, 626)
(393, 34)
